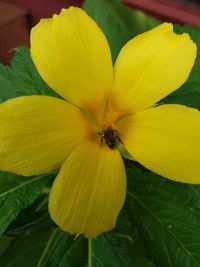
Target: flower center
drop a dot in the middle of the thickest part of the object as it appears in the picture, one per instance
(107, 124)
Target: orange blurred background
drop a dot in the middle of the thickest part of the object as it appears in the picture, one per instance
(18, 16)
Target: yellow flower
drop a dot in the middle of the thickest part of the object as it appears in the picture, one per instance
(106, 106)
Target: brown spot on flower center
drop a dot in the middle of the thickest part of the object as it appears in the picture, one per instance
(110, 137)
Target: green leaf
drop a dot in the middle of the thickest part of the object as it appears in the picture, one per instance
(27, 219)
(118, 22)
(49, 248)
(188, 94)
(7, 89)
(43, 245)
(167, 215)
(64, 251)
(4, 243)
(25, 77)
(16, 193)
(120, 247)
(113, 250)
(22, 78)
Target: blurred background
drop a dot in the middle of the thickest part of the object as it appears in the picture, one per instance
(18, 16)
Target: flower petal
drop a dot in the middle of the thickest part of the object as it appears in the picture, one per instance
(37, 133)
(151, 66)
(89, 191)
(72, 55)
(166, 140)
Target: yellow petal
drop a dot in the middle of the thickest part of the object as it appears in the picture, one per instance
(151, 66)
(72, 55)
(166, 140)
(89, 191)
(37, 133)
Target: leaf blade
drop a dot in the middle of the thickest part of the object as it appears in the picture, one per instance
(16, 193)
(168, 225)
(118, 22)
